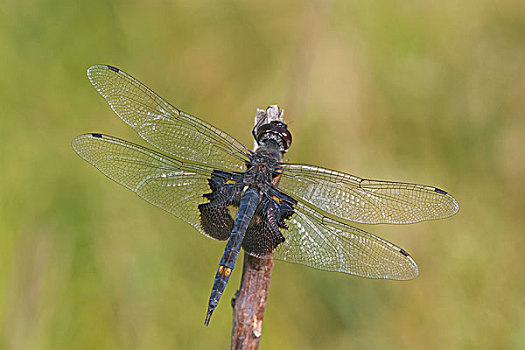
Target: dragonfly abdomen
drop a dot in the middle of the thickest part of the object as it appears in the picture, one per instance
(248, 205)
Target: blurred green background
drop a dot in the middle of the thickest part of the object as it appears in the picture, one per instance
(413, 91)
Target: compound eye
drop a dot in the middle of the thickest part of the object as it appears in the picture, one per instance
(285, 135)
(278, 132)
(263, 130)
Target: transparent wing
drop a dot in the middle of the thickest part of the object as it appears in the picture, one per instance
(326, 244)
(365, 201)
(164, 126)
(169, 184)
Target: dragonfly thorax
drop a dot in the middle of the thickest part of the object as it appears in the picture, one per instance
(264, 165)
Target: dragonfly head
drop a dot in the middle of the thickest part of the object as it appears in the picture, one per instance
(269, 126)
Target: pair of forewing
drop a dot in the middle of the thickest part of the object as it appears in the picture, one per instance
(177, 185)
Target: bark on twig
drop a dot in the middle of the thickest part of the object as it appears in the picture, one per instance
(251, 302)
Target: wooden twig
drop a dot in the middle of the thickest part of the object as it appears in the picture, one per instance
(249, 303)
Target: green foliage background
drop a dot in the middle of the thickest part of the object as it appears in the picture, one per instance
(418, 91)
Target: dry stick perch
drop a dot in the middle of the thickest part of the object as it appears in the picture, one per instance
(251, 298)
(249, 307)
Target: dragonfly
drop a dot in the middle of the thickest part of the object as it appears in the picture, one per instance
(253, 199)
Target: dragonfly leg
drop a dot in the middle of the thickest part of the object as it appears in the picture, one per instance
(216, 220)
(264, 234)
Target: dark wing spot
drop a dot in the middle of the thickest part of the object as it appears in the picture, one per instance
(113, 68)
(216, 220)
(97, 135)
(402, 251)
(437, 190)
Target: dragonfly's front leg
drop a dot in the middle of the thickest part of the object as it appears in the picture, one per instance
(216, 220)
